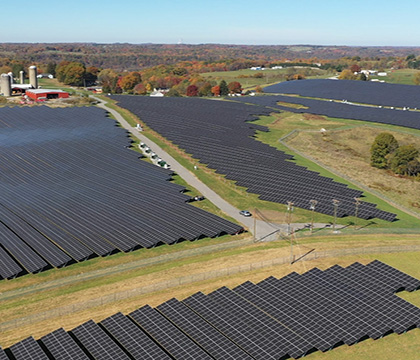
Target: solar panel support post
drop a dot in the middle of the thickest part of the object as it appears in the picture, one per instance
(335, 203)
(313, 204)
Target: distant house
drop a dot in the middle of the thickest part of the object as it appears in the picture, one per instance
(276, 67)
(95, 89)
(158, 92)
(45, 76)
(256, 68)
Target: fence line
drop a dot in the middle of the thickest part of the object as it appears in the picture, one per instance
(126, 267)
(106, 299)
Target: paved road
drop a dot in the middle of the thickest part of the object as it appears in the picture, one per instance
(264, 231)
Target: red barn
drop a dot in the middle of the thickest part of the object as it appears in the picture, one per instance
(37, 94)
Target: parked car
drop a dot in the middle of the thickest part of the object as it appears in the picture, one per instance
(245, 213)
(199, 198)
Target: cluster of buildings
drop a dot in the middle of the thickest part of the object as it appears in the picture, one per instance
(8, 87)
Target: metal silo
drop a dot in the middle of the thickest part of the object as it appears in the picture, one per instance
(5, 85)
(33, 80)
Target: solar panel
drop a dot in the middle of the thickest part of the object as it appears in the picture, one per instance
(8, 267)
(167, 335)
(98, 343)
(217, 345)
(31, 261)
(366, 92)
(134, 340)
(62, 346)
(70, 190)
(253, 341)
(3, 355)
(28, 349)
(220, 135)
(274, 319)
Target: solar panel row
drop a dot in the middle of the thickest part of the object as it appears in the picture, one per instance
(219, 134)
(366, 92)
(71, 190)
(398, 117)
(273, 319)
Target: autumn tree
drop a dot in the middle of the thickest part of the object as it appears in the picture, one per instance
(205, 89)
(404, 161)
(347, 74)
(173, 93)
(129, 81)
(224, 90)
(192, 90)
(91, 75)
(179, 71)
(235, 87)
(355, 68)
(108, 78)
(383, 145)
(71, 73)
(215, 90)
(140, 89)
(5, 69)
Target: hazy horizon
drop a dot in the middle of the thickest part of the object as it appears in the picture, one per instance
(329, 23)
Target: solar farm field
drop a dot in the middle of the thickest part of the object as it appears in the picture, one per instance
(343, 110)
(71, 189)
(364, 92)
(219, 134)
(337, 307)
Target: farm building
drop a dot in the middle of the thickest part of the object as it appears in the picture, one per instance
(37, 94)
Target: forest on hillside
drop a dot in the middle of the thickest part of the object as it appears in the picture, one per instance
(131, 57)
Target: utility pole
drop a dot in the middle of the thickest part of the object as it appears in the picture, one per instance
(255, 224)
(357, 203)
(312, 203)
(289, 220)
(335, 203)
(289, 216)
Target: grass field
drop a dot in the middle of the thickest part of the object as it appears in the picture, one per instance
(248, 81)
(332, 147)
(403, 76)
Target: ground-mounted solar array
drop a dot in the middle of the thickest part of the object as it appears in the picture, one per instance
(273, 319)
(365, 92)
(71, 189)
(219, 134)
(345, 110)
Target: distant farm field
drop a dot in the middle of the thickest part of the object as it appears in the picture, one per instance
(403, 76)
(248, 78)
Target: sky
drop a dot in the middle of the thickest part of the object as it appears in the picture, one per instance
(322, 22)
